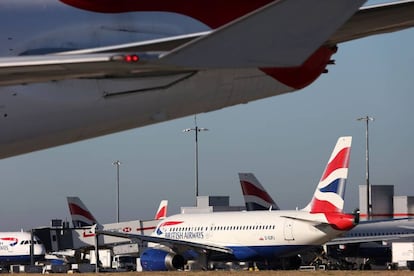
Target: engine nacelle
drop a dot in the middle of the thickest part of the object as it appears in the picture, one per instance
(160, 260)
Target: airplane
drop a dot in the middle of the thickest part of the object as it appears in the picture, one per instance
(255, 195)
(98, 67)
(83, 218)
(254, 235)
(372, 240)
(369, 239)
(15, 248)
(79, 213)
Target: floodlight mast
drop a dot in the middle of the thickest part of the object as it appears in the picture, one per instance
(369, 203)
(117, 163)
(196, 129)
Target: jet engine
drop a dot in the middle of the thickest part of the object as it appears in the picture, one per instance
(161, 260)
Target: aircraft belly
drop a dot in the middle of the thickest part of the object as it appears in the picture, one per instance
(256, 252)
(61, 112)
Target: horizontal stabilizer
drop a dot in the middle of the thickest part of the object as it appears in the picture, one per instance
(315, 222)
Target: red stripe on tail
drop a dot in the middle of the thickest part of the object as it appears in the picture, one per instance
(341, 160)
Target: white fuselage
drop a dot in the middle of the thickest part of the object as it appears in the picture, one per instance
(37, 116)
(251, 234)
(15, 248)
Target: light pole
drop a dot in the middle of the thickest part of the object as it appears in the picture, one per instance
(117, 163)
(369, 205)
(196, 129)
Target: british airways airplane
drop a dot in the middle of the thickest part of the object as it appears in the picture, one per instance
(15, 248)
(369, 239)
(83, 218)
(254, 235)
(76, 69)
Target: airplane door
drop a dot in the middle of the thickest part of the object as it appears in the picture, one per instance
(288, 230)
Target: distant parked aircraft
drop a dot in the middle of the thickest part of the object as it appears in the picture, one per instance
(372, 239)
(369, 239)
(255, 195)
(15, 248)
(253, 235)
(82, 217)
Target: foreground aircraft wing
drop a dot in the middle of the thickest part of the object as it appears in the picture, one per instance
(124, 60)
(377, 19)
(265, 37)
(179, 245)
(268, 37)
(42, 68)
(154, 45)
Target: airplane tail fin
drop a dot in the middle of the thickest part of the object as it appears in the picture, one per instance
(80, 214)
(162, 210)
(255, 196)
(329, 194)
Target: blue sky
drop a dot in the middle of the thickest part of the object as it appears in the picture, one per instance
(285, 140)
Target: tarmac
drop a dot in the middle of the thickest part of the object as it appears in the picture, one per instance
(253, 273)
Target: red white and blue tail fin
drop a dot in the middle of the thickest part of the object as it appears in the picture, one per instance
(329, 194)
(80, 214)
(255, 196)
(162, 210)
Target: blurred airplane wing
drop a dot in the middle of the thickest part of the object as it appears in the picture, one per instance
(42, 68)
(267, 37)
(155, 45)
(124, 60)
(378, 19)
